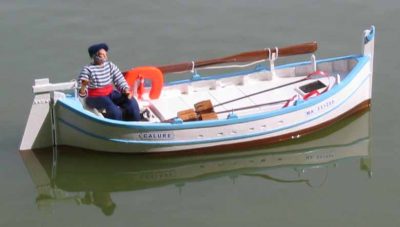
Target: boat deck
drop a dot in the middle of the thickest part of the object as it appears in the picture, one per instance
(177, 99)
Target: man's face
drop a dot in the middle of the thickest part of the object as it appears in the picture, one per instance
(101, 56)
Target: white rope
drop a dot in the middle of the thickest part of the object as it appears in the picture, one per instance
(233, 66)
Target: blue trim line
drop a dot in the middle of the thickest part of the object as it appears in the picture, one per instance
(258, 68)
(84, 131)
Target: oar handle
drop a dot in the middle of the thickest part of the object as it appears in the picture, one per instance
(303, 48)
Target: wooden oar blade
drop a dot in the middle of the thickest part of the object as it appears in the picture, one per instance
(298, 49)
(303, 48)
(181, 67)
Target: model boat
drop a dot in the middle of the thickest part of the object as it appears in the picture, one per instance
(249, 102)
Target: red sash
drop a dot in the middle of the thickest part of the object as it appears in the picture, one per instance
(101, 91)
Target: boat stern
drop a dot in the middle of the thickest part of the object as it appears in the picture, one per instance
(40, 127)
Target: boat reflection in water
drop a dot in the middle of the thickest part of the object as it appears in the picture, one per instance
(83, 177)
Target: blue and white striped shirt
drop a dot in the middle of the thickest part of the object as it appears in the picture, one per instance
(101, 75)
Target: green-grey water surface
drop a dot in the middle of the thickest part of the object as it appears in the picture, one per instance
(49, 38)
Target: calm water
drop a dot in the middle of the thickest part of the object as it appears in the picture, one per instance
(304, 186)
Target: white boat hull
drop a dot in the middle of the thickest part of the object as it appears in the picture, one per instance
(99, 136)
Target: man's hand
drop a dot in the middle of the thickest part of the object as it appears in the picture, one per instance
(128, 93)
(82, 90)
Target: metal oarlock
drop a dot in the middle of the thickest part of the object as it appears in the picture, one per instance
(272, 57)
(313, 63)
(195, 75)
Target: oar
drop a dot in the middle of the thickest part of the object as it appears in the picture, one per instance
(192, 115)
(316, 73)
(260, 92)
(207, 107)
(303, 48)
(253, 106)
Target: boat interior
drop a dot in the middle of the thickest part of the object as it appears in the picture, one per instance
(253, 90)
(250, 93)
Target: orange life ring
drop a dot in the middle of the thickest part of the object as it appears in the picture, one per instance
(146, 72)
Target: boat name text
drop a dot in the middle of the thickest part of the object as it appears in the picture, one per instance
(156, 136)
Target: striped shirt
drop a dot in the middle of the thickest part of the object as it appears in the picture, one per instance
(100, 76)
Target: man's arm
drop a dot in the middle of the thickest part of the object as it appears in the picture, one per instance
(82, 90)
